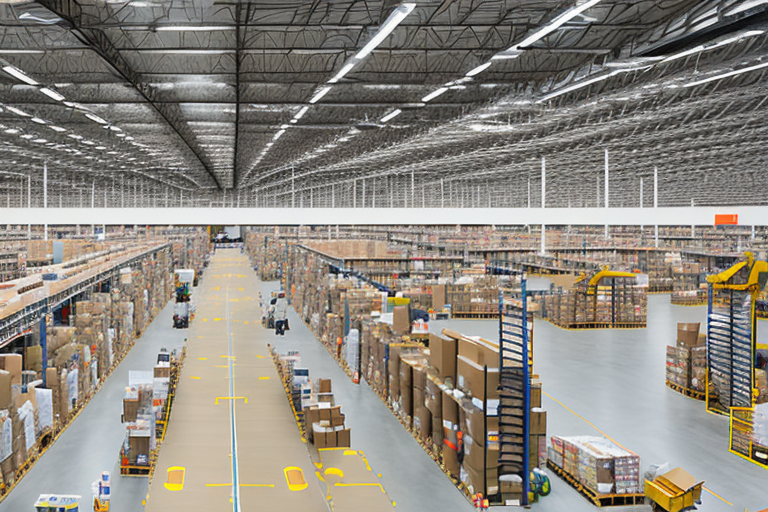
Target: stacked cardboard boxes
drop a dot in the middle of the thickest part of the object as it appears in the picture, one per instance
(324, 421)
(597, 464)
(687, 360)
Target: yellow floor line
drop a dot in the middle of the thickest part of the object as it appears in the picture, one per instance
(611, 439)
(257, 485)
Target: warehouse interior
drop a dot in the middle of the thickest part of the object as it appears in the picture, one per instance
(344, 255)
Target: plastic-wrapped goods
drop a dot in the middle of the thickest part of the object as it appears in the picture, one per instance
(6, 437)
(44, 398)
(27, 416)
(73, 387)
(760, 425)
(352, 354)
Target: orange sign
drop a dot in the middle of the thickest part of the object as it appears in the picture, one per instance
(726, 219)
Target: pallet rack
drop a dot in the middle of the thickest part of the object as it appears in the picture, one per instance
(515, 362)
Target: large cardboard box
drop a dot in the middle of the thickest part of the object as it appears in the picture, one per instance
(6, 390)
(433, 398)
(34, 358)
(401, 320)
(442, 356)
(688, 335)
(538, 422)
(343, 438)
(451, 424)
(324, 386)
(473, 422)
(535, 393)
(438, 296)
(451, 461)
(12, 363)
(471, 378)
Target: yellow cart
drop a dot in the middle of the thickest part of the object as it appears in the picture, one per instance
(673, 491)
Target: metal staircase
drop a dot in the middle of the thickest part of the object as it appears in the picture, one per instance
(515, 360)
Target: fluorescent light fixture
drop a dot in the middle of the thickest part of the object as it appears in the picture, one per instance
(39, 121)
(293, 121)
(394, 19)
(129, 138)
(12, 131)
(278, 135)
(284, 126)
(28, 136)
(74, 136)
(343, 71)
(101, 148)
(95, 118)
(190, 52)
(120, 135)
(479, 69)
(88, 142)
(300, 113)
(506, 54)
(391, 115)
(52, 94)
(19, 74)
(728, 75)
(58, 129)
(580, 85)
(16, 111)
(21, 52)
(702, 48)
(434, 94)
(322, 92)
(115, 129)
(40, 141)
(270, 144)
(555, 24)
(195, 28)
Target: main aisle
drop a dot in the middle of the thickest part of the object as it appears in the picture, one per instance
(232, 434)
(91, 443)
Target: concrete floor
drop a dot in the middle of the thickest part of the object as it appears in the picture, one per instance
(613, 379)
(91, 444)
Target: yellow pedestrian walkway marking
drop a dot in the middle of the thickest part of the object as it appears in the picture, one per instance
(217, 319)
(175, 480)
(205, 319)
(260, 357)
(294, 476)
(196, 378)
(202, 358)
(613, 440)
(263, 378)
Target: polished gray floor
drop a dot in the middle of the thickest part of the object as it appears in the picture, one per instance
(92, 442)
(613, 379)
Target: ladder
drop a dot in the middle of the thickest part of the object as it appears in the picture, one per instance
(515, 361)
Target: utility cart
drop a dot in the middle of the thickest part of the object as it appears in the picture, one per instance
(57, 503)
(673, 491)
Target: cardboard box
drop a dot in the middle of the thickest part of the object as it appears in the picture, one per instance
(471, 379)
(6, 390)
(473, 422)
(438, 296)
(34, 358)
(401, 320)
(130, 410)
(419, 376)
(324, 386)
(12, 363)
(688, 335)
(442, 356)
(451, 461)
(535, 393)
(538, 422)
(433, 398)
(163, 371)
(343, 438)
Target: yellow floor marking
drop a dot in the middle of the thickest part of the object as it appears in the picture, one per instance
(239, 289)
(263, 378)
(200, 337)
(260, 357)
(217, 319)
(217, 288)
(202, 358)
(231, 398)
(335, 471)
(246, 322)
(718, 496)
(229, 357)
(234, 300)
(205, 319)
(218, 485)
(294, 476)
(611, 439)
(196, 378)
(175, 478)
(339, 484)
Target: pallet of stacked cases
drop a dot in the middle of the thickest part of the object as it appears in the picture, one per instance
(601, 471)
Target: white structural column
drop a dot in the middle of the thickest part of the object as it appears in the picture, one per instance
(606, 187)
(543, 203)
(442, 193)
(656, 202)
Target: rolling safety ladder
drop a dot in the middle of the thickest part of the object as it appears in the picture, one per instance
(515, 357)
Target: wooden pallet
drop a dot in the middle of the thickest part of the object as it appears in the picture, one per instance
(471, 315)
(690, 393)
(583, 326)
(600, 500)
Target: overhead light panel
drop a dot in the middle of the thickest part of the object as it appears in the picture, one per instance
(115, 128)
(319, 95)
(75, 136)
(12, 131)
(301, 113)
(195, 28)
(479, 69)
(284, 126)
(19, 74)
(702, 48)
(278, 135)
(580, 85)
(394, 19)
(434, 94)
(16, 111)
(39, 121)
(391, 115)
(95, 118)
(52, 94)
(343, 71)
(58, 129)
(728, 75)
